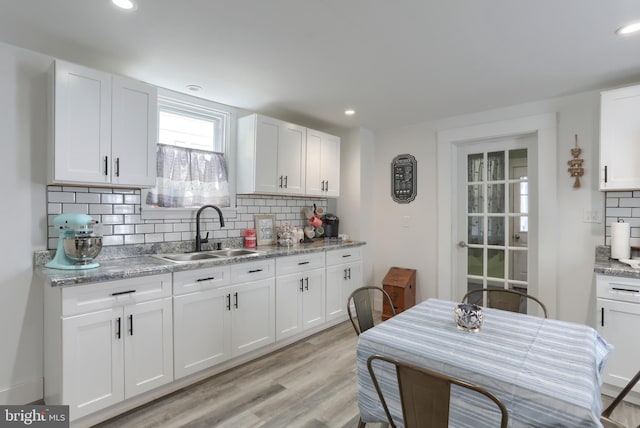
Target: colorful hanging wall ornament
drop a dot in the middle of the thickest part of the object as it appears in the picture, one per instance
(575, 165)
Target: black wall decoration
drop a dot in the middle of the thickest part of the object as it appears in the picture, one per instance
(404, 179)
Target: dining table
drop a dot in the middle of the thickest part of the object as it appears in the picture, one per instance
(546, 372)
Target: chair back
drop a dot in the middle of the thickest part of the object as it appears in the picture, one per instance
(360, 298)
(500, 298)
(425, 394)
(610, 423)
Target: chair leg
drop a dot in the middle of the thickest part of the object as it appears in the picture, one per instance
(360, 423)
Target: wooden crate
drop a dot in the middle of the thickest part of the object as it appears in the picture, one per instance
(400, 283)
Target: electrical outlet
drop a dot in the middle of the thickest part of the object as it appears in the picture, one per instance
(591, 216)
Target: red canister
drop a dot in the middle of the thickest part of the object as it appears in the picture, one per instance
(250, 238)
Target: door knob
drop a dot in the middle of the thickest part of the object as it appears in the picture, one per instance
(462, 244)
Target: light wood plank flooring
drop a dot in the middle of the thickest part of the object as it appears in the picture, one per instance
(310, 384)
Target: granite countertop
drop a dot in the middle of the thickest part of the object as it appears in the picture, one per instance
(605, 265)
(143, 265)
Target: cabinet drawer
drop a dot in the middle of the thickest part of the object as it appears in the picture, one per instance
(618, 288)
(343, 256)
(103, 295)
(201, 279)
(299, 263)
(252, 271)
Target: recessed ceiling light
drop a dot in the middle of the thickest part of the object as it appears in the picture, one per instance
(194, 88)
(628, 29)
(350, 112)
(125, 4)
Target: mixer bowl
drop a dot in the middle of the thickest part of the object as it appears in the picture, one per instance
(82, 250)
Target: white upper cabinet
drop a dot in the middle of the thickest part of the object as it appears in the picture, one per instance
(323, 164)
(620, 139)
(103, 128)
(134, 124)
(271, 156)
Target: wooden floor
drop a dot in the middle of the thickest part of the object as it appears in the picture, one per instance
(310, 384)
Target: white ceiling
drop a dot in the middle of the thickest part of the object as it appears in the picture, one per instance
(396, 62)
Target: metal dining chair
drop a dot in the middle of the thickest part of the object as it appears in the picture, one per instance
(425, 394)
(361, 299)
(501, 298)
(605, 417)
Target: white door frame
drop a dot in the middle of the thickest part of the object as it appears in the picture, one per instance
(544, 153)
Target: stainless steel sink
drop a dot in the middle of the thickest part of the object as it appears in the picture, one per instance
(188, 257)
(230, 252)
(208, 255)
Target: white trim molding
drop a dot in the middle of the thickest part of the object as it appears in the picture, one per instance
(543, 160)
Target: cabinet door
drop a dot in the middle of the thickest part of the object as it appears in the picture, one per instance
(617, 325)
(313, 299)
(353, 278)
(202, 330)
(252, 316)
(314, 184)
(134, 132)
(336, 299)
(330, 158)
(288, 305)
(148, 348)
(266, 155)
(620, 139)
(291, 159)
(93, 366)
(82, 124)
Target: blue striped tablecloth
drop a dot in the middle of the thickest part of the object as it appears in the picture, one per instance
(546, 372)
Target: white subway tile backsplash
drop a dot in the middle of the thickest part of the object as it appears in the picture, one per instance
(112, 199)
(123, 209)
(625, 206)
(118, 214)
(131, 199)
(145, 228)
(63, 197)
(108, 240)
(54, 208)
(100, 190)
(124, 229)
(100, 208)
(170, 237)
(112, 219)
(163, 227)
(133, 239)
(88, 198)
(75, 209)
(150, 238)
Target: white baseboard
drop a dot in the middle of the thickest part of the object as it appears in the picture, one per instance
(22, 393)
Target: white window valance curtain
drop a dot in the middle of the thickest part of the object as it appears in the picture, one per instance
(189, 178)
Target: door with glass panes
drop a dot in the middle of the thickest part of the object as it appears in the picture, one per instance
(493, 217)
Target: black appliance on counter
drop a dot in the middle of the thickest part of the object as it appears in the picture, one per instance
(330, 222)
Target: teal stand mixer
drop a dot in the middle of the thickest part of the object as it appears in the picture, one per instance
(77, 245)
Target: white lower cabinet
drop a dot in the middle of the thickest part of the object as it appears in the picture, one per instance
(344, 274)
(252, 316)
(106, 342)
(300, 296)
(216, 320)
(618, 306)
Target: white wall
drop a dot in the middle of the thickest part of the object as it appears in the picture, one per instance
(415, 246)
(23, 140)
(356, 194)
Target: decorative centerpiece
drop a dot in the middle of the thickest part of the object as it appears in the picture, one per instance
(468, 317)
